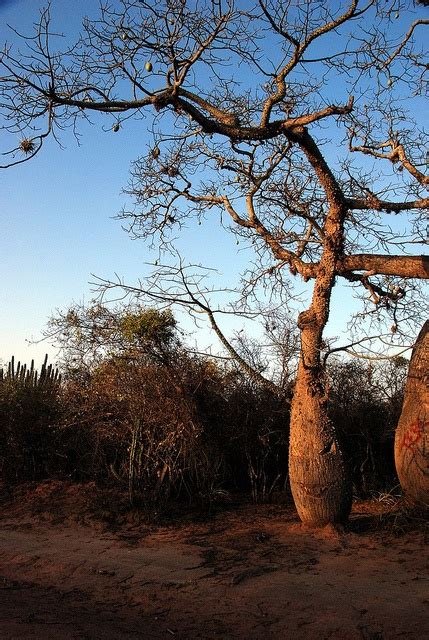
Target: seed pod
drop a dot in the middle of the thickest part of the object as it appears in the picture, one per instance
(27, 145)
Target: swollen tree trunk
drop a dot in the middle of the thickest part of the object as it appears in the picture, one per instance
(318, 476)
(319, 481)
(412, 433)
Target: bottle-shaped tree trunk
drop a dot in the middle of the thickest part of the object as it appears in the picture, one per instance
(319, 481)
(412, 433)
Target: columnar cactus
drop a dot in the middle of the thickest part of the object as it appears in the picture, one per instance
(30, 376)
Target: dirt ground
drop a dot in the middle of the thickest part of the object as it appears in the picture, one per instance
(250, 572)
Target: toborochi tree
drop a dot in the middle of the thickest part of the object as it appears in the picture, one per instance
(295, 123)
(412, 436)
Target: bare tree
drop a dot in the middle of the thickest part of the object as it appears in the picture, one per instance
(184, 286)
(292, 122)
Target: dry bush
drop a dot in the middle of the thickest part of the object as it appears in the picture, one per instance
(365, 404)
(145, 413)
(244, 430)
(186, 428)
(130, 423)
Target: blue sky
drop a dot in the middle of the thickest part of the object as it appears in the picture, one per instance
(57, 216)
(57, 221)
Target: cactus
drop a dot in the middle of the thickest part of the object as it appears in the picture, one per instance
(30, 404)
(30, 377)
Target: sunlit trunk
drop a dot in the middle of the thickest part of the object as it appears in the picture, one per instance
(319, 480)
(412, 433)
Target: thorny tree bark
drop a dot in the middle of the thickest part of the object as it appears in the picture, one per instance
(251, 149)
(412, 434)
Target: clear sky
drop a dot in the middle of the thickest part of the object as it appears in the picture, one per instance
(57, 212)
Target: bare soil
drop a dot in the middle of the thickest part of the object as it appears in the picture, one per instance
(247, 571)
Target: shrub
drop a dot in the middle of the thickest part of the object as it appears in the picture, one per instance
(189, 429)
(183, 427)
(365, 403)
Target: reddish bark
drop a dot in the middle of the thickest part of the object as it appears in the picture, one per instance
(412, 433)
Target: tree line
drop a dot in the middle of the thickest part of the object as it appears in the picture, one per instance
(137, 411)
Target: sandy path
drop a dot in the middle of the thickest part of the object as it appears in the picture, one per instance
(245, 577)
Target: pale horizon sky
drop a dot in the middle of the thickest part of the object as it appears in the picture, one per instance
(57, 219)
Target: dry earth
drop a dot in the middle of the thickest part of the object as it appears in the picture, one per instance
(252, 572)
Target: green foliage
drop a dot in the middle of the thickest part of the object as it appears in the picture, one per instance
(147, 326)
(88, 335)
